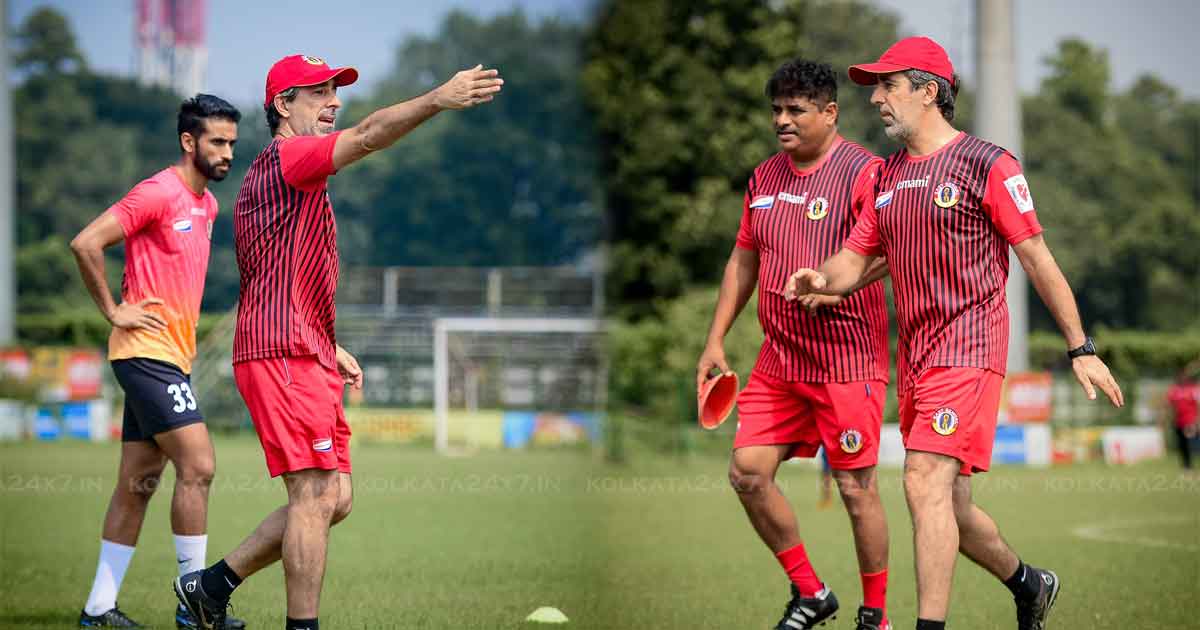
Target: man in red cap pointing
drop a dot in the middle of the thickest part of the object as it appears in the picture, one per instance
(287, 365)
(948, 207)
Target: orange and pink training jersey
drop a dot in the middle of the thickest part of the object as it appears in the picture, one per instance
(168, 231)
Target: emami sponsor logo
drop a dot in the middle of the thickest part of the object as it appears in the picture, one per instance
(790, 198)
(913, 183)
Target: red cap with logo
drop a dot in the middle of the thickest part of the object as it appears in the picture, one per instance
(910, 53)
(301, 70)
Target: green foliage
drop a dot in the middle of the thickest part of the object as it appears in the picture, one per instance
(81, 326)
(654, 360)
(677, 88)
(1117, 183)
(1128, 353)
(508, 183)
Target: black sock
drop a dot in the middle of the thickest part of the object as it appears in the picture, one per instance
(925, 624)
(302, 624)
(1024, 583)
(218, 581)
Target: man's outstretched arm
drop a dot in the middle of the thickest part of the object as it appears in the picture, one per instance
(384, 127)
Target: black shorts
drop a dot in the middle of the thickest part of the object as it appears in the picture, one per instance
(158, 398)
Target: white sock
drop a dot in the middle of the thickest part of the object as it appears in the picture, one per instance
(114, 560)
(189, 552)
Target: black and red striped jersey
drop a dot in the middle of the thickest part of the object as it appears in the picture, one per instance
(945, 222)
(286, 242)
(797, 218)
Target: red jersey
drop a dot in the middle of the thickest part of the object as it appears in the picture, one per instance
(797, 218)
(1184, 399)
(945, 222)
(286, 242)
(168, 232)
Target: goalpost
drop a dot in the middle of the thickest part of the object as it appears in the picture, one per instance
(568, 342)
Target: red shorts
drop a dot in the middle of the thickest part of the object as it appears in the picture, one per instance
(844, 417)
(952, 411)
(296, 406)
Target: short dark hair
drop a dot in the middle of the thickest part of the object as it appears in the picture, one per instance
(809, 79)
(273, 117)
(947, 90)
(194, 111)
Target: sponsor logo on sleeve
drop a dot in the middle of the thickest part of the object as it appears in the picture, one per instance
(884, 199)
(946, 195)
(182, 225)
(817, 209)
(762, 202)
(1018, 189)
(323, 445)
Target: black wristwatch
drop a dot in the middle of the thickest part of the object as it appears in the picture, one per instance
(1087, 349)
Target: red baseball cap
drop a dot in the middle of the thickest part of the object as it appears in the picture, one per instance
(910, 53)
(301, 70)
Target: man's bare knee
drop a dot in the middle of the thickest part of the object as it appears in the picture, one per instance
(924, 482)
(858, 490)
(344, 505)
(313, 492)
(141, 484)
(197, 471)
(963, 503)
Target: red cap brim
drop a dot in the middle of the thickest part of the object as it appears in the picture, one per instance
(341, 76)
(715, 399)
(868, 73)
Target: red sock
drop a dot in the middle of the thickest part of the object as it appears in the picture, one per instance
(795, 562)
(875, 589)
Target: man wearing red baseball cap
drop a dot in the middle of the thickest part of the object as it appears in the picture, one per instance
(287, 364)
(948, 207)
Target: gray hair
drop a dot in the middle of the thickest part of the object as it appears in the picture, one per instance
(273, 117)
(946, 93)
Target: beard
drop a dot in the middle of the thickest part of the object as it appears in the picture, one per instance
(897, 131)
(210, 169)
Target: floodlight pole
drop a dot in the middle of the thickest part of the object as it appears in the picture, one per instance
(8, 287)
(998, 120)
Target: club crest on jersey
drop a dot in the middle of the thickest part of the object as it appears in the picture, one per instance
(762, 202)
(945, 421)
(316, 61)
(323, 445)
(817, 209)
(884, 199)
(182, 225)
(946, 195)
(851, 441)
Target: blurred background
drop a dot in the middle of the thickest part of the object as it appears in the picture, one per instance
(528, 286)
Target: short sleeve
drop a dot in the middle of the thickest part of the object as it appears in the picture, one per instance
(862, 193)
(745, 235)
(307, 160)
(141, 207)
(1008, 202)
(864, 237)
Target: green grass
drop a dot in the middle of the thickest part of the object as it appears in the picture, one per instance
(658, 544)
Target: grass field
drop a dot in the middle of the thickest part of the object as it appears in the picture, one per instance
(657, 544)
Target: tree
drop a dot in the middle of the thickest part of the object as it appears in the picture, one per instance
(509, 183)
(677, 88)
(1114, 176)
